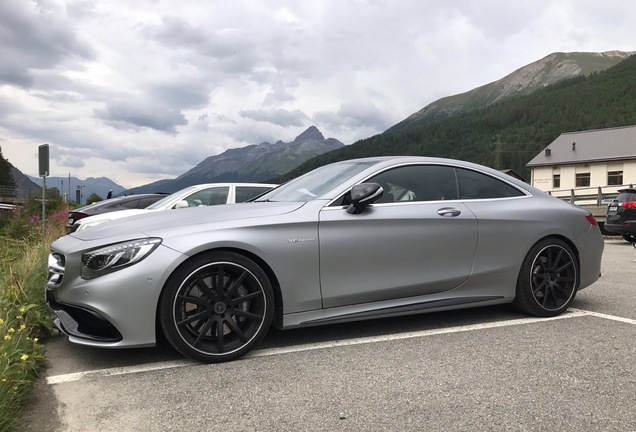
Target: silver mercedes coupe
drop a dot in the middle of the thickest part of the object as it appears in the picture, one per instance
(354, 240)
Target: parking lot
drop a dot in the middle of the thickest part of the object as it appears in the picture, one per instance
(479, 369)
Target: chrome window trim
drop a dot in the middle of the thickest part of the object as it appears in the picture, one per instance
(526, 194)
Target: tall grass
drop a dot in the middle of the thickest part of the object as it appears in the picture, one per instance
(24, 316)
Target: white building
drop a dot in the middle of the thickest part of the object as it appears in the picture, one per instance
(579, 163)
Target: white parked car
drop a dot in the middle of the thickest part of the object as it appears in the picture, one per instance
(206, 194)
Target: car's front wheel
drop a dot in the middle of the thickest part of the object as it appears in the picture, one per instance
(216, 307)
(548, 279)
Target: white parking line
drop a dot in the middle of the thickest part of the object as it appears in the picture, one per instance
(606, 316)
(59, 379)
(571, 313)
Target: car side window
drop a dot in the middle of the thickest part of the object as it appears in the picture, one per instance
(243, 193)
(417, 183)
(145, 202)
(132, 204)
(210, 196)
(476, 185)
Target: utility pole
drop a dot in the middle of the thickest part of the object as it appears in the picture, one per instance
(43, 165)
(78, 194)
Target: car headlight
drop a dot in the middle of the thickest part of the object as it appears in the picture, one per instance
(82, 226)
(117, 256)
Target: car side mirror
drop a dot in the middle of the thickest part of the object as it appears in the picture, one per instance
(181, 204)
(362, 195)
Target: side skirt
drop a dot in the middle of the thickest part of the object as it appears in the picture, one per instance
(367, 311)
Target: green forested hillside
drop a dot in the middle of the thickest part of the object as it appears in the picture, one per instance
(6, 179)
(510, 133)
(549, 70)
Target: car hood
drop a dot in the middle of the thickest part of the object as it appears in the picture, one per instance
(153, 223)
(114, 215)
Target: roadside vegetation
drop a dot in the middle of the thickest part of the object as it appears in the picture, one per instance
(24, 317)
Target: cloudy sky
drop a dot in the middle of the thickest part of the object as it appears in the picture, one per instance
(143, 90)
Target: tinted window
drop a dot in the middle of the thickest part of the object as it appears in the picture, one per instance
(211, 196)
(145, 202)
(417, 183)
(243, 193)
(626, 197)
(475, 185)
(129, 204)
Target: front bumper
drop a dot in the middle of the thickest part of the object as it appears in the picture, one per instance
(80, 322)
(116, 310)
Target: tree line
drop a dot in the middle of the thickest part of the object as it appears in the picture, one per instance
(508, 134)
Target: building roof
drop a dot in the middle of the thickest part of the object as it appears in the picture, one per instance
(513, 174)
(598, 145)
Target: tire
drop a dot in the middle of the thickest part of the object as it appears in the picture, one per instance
(629, 237)
(548, 279)
(216, 307)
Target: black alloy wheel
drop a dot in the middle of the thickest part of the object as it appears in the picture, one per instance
(548, 279)
(217, 307)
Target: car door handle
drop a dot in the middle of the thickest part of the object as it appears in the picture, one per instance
(449, 212)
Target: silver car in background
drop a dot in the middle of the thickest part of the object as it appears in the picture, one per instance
(354, 240)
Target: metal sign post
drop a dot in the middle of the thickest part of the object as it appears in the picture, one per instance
(43, 159)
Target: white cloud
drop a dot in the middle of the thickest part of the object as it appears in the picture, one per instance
(138, 91)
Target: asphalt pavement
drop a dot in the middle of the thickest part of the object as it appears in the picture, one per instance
(485, 369)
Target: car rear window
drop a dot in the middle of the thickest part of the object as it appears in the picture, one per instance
(626, 197)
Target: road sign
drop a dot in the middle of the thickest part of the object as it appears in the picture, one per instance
(43, 157)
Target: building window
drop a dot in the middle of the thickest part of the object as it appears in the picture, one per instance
(556, 181)
(582, 179)
(614, 178)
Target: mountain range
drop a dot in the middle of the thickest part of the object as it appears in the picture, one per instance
(542, 73)
(501, 124)
(86, 187)
(508, 133)
(253, 163)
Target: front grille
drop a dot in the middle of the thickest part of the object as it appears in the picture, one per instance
(56, 266)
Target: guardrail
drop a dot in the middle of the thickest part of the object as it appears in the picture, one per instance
(598, 196)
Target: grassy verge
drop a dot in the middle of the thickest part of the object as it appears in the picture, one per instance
(24, 316)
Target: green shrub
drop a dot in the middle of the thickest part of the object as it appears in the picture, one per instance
(24, 317)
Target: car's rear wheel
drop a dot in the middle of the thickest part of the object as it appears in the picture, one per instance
(216, 307)
(548, 279)
(629, 237)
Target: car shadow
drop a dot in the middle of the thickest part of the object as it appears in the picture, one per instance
(64, 357)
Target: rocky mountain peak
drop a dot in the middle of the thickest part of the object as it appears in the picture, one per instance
(253, 163)
(312, 133)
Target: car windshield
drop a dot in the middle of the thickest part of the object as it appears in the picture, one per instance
(164, 202)
(316, 183)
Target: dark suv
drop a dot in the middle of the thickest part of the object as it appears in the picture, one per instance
(621, 215)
